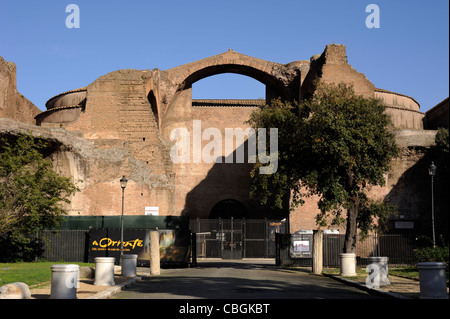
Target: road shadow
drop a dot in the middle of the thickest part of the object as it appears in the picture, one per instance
(239, 280)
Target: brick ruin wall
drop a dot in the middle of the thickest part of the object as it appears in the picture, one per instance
(120, 125)
(14, 105)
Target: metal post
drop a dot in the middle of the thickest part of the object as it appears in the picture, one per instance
(266, 236)
(432, 171)
(121, 226)
(432, 209)
(231, 236)
(244, 238)
(222, 237)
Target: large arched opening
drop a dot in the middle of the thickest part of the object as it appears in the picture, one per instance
(228, 86)
(228, 208)
(273, 87)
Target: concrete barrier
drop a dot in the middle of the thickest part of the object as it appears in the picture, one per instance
(382, 267)
(129, 263)
(348, 264)
(64, 281)
(432, 279)
(104, 271)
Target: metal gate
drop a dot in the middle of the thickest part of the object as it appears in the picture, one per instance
(232, 239)
(236, 238)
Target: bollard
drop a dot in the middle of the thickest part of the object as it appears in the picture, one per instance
(382, 268)
(154, 253)
(432, 279)
(104, 271)
(129, 265)
(348, 264)
(317, 265)
(64, 281)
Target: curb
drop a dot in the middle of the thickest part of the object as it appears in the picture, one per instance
(375, 291)
(105, 294)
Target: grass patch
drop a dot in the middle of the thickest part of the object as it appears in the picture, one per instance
(405, 272)
(32, 273)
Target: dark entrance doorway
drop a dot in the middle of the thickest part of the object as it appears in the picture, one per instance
(228, 208)
(230, 212)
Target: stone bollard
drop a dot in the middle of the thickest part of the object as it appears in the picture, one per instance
(129, 265)
(104, 271)
(432, 280)
(64, 281)
(348, 264)
(15, 290)
(154, 253)
(317, 265)
(381, 264)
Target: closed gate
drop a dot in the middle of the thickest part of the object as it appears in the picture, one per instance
(236, 238)
(232, 239)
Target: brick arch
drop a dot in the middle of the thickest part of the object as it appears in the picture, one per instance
(277, 77)
(272, 84)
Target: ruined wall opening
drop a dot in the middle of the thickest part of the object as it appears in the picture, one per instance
(152, 100)
(228, 86)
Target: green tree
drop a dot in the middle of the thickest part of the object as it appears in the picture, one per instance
(32, 194)
(275, 189)
(442, 140)
(335, 145)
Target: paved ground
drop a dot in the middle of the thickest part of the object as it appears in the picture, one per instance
(245, 279)
(258, 279)
(86, 288)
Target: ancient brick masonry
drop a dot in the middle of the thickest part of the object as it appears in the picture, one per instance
(14, 105)
(120, 124)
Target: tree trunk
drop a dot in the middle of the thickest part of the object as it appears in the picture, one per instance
(351, 231)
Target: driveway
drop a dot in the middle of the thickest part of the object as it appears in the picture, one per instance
(240, 279)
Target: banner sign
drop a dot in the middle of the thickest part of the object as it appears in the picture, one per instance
(105, 242)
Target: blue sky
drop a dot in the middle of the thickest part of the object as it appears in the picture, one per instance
(408, 54)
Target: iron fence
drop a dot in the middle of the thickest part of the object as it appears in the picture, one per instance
(65, 245)
(398, 248)
(216, 238)
(236, 238)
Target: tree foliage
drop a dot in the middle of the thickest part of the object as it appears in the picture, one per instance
(274, 189)
(32, 194)
(334, 145)
(443, 154)
(442, 140)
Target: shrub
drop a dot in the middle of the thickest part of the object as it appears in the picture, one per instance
(432, 254)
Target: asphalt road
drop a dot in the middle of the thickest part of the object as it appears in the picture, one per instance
(247, 279)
